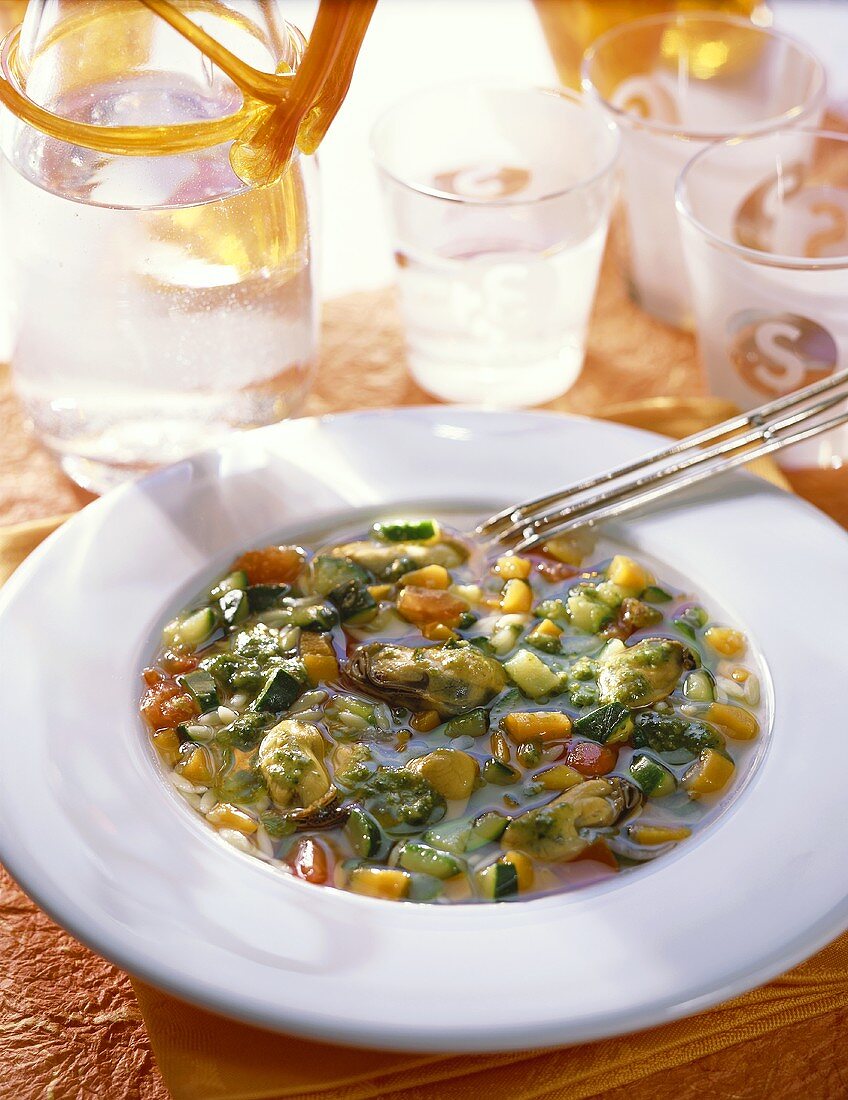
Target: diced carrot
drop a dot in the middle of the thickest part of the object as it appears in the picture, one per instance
(438, 632)
(548, 725)
(179, 662)
(320, 667)
(310, 861)
(271, 565)
(513, 567)
(167, 744)
(427, 605)
(425, 721)
(517, 597)
(599, 852)
(313, 642)
(658, 834)
(166, 704)
(152, 676)
(198, 768)
(589, 758)
(430, 576)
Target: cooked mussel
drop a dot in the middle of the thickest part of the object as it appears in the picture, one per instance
(447, 679)
(552, 832)
(645, 673)
(291, 759)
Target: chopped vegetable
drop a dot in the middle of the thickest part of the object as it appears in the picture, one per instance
(380, 882)
(711, 772)
(547, 725)
(420, 530)
(610, 724)
(531, 674)
(653, 777)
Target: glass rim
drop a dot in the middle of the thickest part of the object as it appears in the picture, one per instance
(753, 255)
(576, 98)
(773, 122)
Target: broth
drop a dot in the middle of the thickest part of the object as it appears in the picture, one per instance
(398, 713)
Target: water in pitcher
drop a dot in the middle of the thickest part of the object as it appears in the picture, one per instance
(160, 302)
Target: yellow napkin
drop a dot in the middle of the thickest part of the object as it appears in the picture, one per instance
(205, 1057)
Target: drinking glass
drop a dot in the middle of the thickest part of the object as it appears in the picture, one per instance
(571, 26)
(159, 301)
(767, 254)
(498, 201)
(674, 83)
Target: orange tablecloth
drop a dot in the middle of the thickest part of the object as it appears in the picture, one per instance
(69, 1023)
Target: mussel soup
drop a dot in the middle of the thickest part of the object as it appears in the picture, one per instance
(402, 716)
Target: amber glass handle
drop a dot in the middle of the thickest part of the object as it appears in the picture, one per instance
(280, 110)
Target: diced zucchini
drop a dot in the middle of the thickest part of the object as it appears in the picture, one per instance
(531, 674)
(363, 832)
(230, 583)
(329, 572)
(280, 689)
(498, 880)
(423, 859)
(485, 829)
(507, 876)
(201, 686)
(192, 630)
(699, 686)
(450, 837)
(529, 754)
(586, 610)
(690, 620)
(502, 775)
(424, 887)
(354, 602)
(409, 530)
(610, 724)
(653, 777)
(555, 610)
(234, 606)
(654, 594)
(266, 597)
(319, 616)
(474, 723)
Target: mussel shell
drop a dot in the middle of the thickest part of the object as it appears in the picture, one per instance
(326, 813)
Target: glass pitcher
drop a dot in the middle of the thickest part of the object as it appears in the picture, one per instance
(159, 300)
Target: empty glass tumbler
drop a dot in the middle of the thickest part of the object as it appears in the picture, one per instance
(159, 301)
(674, 83)
(764, 222)
(498, 201)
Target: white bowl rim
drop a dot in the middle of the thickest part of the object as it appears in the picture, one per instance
(680, 999)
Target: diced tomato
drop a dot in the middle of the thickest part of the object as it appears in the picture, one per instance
(165, 703)
(271, 565)
(310, 861)
(430, 605)
(179, 662)
(152, 676)
(599, 852)
(590, 758)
